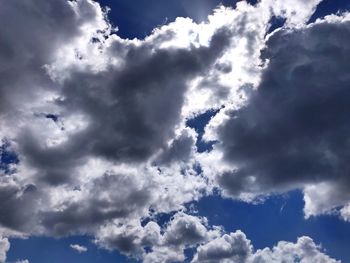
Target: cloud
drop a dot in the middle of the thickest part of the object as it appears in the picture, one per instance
(180, 149)
(116, 104)
(235, 247)
(167, 243)
(109, 196)
(4, 247)
(24, 52)
(78, 248)
(94, 136)
(345, 213)
(296, 12)
(185, 229)
(304, 250)
(292, 132)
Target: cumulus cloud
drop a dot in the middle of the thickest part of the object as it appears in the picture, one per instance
(235, 247)
(167, 243)
(78, 248)
(93, 127)
(292, 132)
(304, 250)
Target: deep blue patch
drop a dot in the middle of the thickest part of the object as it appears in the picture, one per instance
(327, 7)
(44, 250)
(7, 157)
(161, 219)
(198, 123)
(52, 117)
(189, 253)
(276, 22)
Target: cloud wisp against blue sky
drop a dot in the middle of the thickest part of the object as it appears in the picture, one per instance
(174, 131)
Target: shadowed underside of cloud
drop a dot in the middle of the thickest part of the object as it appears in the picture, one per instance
(94, 135)
(294, 129)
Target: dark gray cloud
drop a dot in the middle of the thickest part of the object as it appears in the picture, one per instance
(30, 33)
(180, 150)
(18, 205)
(133, 110)
(294, 129)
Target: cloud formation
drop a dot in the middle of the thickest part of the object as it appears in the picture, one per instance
(78, 248)
(293, 132)
(93, 127)
(4, 247)
(235, 247)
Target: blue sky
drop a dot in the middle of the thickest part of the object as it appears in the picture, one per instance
(277, 217)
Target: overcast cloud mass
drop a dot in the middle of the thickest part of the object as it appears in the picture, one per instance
(94, 138)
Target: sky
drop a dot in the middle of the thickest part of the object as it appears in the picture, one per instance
(174, 131)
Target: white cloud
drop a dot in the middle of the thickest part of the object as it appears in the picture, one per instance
(345, 212)
(235, 247)
(303, 251)
(4, 247)
(78, 248)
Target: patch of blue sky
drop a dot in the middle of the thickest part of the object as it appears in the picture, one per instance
(44, 250)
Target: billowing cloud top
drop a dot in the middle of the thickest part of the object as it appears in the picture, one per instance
(94, 128)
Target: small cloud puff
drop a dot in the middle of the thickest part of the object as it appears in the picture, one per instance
(78, 248)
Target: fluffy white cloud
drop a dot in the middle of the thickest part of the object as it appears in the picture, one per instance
(167, 242)
(78, 248)
(303, 251)
(235, 247)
